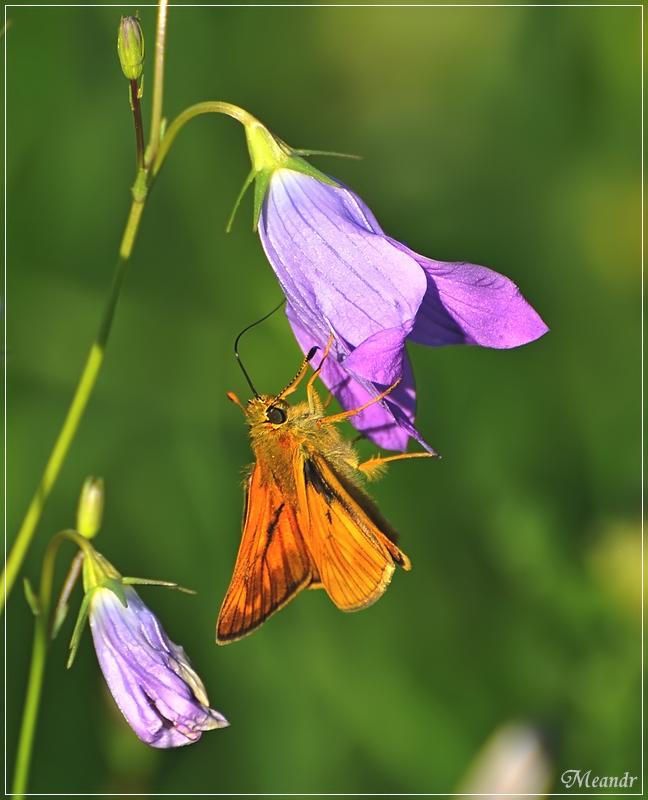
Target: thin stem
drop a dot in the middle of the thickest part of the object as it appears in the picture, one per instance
(210, 107)
(137, 118)
(94, 361)
(30, 713)
(155, 155)
(37, 668)
(130, 231)
(79, 402)
(158, 85)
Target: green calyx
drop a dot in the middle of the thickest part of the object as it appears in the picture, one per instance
(268, 154)
(97, 571)
(99, 575)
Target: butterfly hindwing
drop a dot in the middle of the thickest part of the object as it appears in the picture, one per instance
(273, 563)
(354, 558)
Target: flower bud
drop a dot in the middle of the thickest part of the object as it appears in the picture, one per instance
(90, 510)
(130, 46)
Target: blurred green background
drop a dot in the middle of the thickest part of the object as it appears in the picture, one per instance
(505, 136)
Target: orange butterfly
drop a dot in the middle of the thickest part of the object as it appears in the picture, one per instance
(309, 523)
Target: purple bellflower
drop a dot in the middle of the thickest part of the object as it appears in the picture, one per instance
(152, 680)
(344, 276)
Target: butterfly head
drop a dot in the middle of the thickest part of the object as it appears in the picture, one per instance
(268, 412)
(270, 409)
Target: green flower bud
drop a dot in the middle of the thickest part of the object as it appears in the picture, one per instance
(130, 46)
(90, 508)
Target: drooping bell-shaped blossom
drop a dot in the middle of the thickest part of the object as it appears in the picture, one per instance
(151, 679)
(343, 276)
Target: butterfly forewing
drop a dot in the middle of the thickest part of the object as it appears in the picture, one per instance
(272, 565)
(354, 558)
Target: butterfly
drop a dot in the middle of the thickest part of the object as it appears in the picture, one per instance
(308, 521)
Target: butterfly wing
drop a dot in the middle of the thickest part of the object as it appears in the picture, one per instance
(355, 559)
(273, 563)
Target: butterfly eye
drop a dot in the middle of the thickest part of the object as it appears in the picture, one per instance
(276, 415)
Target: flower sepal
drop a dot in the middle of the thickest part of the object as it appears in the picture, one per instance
(32, 599)
(268, 153)
(151, 582)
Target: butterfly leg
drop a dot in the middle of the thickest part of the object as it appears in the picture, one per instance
(314, 403)
(344, 414)
(374, 467)
(352, 412)
(319, 369)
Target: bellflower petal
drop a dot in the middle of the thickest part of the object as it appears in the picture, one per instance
(337, 269)
(150, 677)
(468, 304)
(379, 358)
(389, 422)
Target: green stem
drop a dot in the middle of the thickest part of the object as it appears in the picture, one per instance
(137, 119)
(30, 713)
(158, 85)
(37, 668)
(211, 107)
(95, 357)
(70, 425)
(156, 153)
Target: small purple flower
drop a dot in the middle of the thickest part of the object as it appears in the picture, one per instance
(342, 275)
(152, 680)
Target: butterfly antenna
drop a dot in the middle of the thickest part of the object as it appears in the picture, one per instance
(238, 338)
